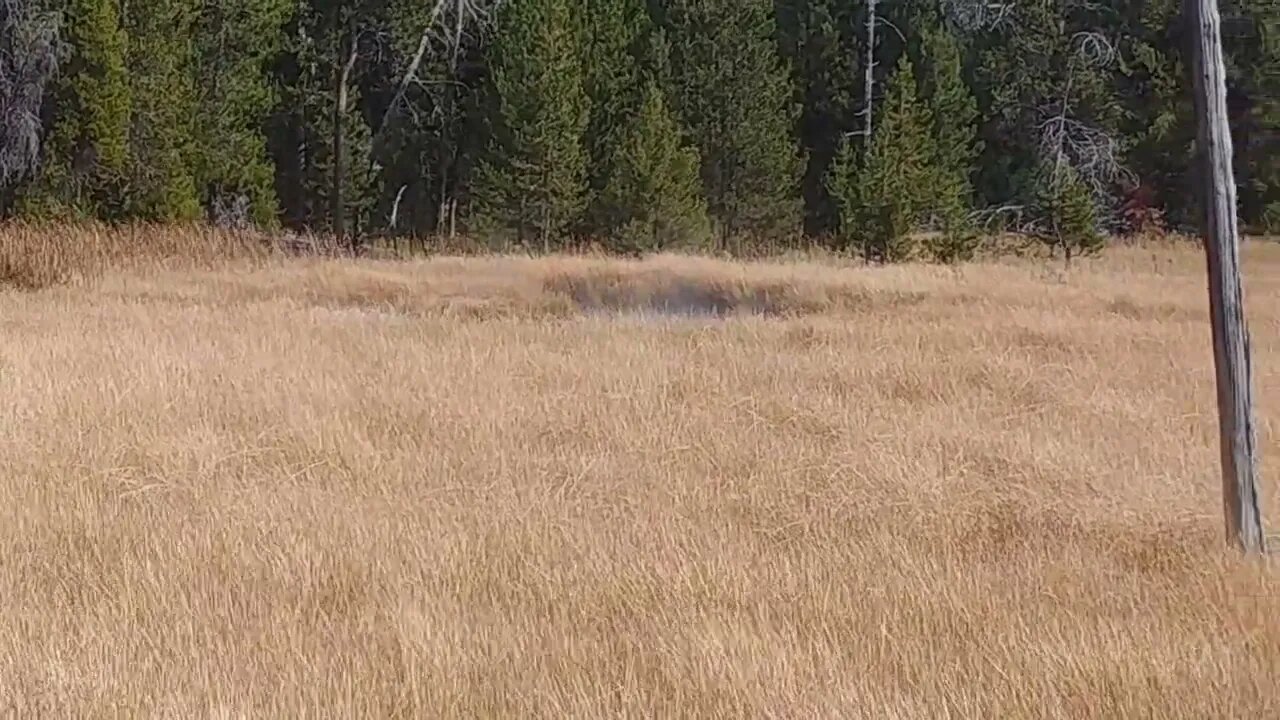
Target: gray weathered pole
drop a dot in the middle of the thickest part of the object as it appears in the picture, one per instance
(1226, 295)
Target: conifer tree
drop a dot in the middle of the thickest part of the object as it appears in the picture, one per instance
(534, 181)
(1050, 62)
(161, 62)
(1260, 151)
(734, 94)
(883, 202)
(1066, 211)
(656, 62)
(316, 54)
(235, 43)
(88, 150)
(954, 112)
(654, 197)
(168, 109)
(818, 38)
(613, 35)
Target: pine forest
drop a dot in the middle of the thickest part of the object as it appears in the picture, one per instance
(894, 129)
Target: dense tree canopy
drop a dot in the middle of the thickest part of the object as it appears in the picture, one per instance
(631, 122)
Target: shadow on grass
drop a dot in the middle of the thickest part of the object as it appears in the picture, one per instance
(666, 293)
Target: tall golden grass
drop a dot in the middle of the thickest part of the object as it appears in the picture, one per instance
(573, 487)
(38, 255)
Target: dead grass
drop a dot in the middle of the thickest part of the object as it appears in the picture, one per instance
(586, 488)
(34, 256)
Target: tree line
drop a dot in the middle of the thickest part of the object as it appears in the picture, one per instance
(895, 128)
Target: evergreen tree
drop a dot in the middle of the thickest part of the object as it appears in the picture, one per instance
(534, 180)
(654, 197)
(1066, 211)
(1053, 60)
(885, 200)
(734, 94)
(161, 62)
(87, 152)
(818, 39)
(169, 109)
(1258, 141)
(318, 51)
(235, 44)
(955, 116)
(613, 35)
(656, 60)
(1158, 119)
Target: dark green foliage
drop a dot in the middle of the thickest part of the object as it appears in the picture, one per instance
(235, 44)
(654, 197)
(553, 119)
(612, 43)
(162, 141)
(1158, 122)
(818, 36)
(88, 149)
(97, 84)
(1052, 62)
(886, 198)
(1066, 212)
(533, 183)
(954, 113)
(318, 50)
(734, 94)
(1258, 130)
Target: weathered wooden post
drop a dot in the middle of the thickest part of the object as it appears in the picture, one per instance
(1226, 295)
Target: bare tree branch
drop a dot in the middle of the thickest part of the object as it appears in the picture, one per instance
(451, 27)
(29, 49)
(1091, 151)
(447, 26)
(977, 15)
(1094, 48)
(423, 43)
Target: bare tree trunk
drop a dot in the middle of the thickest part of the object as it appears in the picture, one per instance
(467, 13)
(869, 79)
(395, 208)
(1060, 155)
(521, 232)
(29, 40)
(546, 228)
(442, 212)
(450, 105)
(470, 17)
(338, 208)
(412, 71)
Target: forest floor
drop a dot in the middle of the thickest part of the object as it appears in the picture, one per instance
(677, 487)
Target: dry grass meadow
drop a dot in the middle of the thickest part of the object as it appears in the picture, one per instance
(562, 488)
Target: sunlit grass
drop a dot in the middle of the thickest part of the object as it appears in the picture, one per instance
(570, 487)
